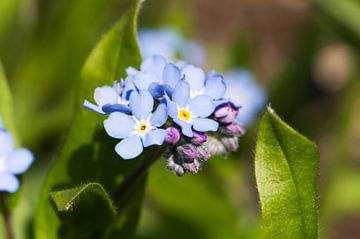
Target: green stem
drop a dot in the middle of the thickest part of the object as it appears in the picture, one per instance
(7, 218)
(137, 173)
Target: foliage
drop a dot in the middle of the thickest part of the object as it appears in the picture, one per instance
(286, 166)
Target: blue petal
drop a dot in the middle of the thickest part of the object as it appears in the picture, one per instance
(119, 125)
(185, 127)
(154, 137)
(141, 104)
(143, 80)
(168, 89)
(171, 75)
(128, 88)
(154, 64)
(130, 147)
(204, 125)
(92, 107)
(105, 95)
(8, 183)
(6, 142)
(116, 108)
(156, 90)
(201, 106)
(181, 93)
(215, 86)
(195, 76)
(19, 161)
(171, 107)
(160, 115)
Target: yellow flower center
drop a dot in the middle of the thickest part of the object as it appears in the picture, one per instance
(143, 128)
(184, 115)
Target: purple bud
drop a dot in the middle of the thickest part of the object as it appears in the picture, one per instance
(193, 167)
(233, 129)
(172, 135)
(231, 143)
(203, 153)
(187, 151)
(226, 112)
(198, 138)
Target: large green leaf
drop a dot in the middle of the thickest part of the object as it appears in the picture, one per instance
(88, 154)
(286, 166)
(77, 204)
(6, 103)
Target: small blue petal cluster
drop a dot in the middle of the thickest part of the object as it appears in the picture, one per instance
(166, 104)
(12, 161)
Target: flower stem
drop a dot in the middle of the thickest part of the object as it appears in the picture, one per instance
(137, 173)
(7, 218)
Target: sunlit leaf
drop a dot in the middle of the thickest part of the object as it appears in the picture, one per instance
(88, 202)
(286, 166)
(88, 154)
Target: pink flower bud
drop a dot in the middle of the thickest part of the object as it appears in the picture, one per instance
(226, 112)
(172, 135)
(198, 138)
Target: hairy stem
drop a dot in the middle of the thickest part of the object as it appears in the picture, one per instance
(137, 173)
(7, 218)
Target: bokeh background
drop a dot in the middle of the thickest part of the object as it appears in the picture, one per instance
(305, 53)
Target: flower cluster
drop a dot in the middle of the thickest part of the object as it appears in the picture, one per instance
(12, 161)
(166, 104)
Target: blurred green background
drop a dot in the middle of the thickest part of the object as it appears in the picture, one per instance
(305, 53)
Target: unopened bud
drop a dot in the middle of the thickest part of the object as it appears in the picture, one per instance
(230, 143)
(198, 138)
(173, 166)
(233, 129)
(193, 167)
(172, 135)
(187, 151)
(226, 112)
(203, 153)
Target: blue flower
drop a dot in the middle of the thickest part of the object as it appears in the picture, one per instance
(141, 128)
(245, 92)
(12, 161)
(155, 75)
(212, 85)
(170, 44)
(188, 113)
(111, 99)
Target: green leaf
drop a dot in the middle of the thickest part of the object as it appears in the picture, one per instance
(6, 103)
(88, 202)
(286, 167)
(88, 154)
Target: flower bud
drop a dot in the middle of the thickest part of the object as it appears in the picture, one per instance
(187, 152)
(230, 143)
(172, 135)
(198, 138)
(202, 153)
(193, 167)
(173, 166)
(233, 129)
(215, 146)
(226, 112)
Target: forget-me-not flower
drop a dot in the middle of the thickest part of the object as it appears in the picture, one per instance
(155, 75)
(111, 99)
(140, 129)
(245, 92)
(212, 85)
(12, 161)
(191, 113)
